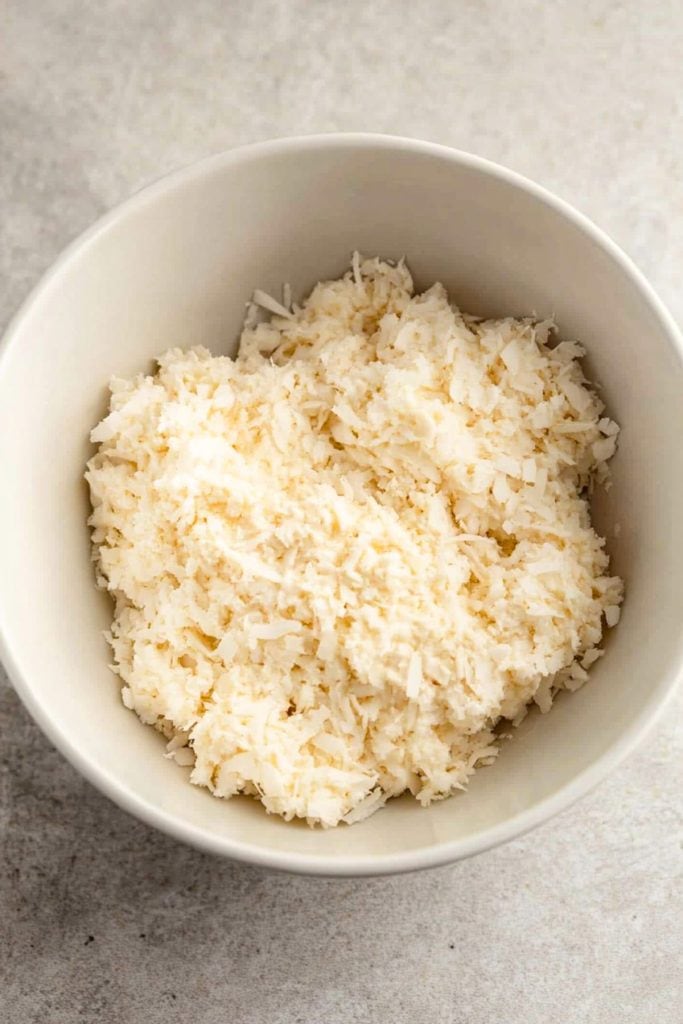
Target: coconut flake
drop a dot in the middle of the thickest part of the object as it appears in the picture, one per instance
(274, 630)
(266, 301)
(414, 677)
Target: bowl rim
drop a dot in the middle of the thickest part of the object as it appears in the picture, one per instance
(439, 853)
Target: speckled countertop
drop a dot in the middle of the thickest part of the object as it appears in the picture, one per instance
(101, 918)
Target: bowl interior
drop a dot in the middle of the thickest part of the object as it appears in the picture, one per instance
(175, 266)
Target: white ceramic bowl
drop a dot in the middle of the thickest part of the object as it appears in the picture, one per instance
(174, 266)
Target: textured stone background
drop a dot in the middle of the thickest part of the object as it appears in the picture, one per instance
(103, 920)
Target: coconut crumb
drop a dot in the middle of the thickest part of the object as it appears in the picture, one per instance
(340, 559)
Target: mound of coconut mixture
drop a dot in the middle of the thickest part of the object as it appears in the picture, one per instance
(341, 558)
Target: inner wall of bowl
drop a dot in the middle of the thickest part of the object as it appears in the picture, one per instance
(176, 267)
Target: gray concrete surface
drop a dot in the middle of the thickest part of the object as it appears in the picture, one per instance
(103, 920)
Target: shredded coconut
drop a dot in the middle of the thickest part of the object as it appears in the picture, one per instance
(341, 558)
